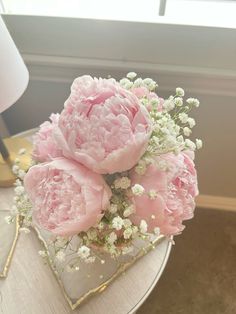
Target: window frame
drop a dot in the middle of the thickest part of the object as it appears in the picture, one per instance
(59, 49)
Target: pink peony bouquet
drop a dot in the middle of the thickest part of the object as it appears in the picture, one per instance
(115, 165)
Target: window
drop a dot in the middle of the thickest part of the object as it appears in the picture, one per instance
(192, 12)
(175, 45)
(202, 12)
(100, 9)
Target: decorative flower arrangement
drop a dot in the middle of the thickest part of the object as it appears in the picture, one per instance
(114, 166)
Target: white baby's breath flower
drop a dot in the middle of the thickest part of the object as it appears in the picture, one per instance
(122, 183)
(169, 105)
(18, 182)
(15, 169)
(60, 256)
(127, 223)
(180, 139)
(191, 122)
(141, 167)
(157, 231)
(196, 103)
(148, 81)
(127, 233)
(83, 252)
(138, 82)
(128, 85)
(8, 219)
(129, 211)
(42, 253)
(143, 226)
(198, 143)
(187, 131)
(190, 101)
(154, 102)
(117, 223)
(112, 237)
(193, 101)
(178, 101)
(150, 84)
(183, 117)
(19, 190)
(127, 250)
(152, 194)
(21, 174)
(131, 75)
(144, 101)
(190, 144)
(124, 81)
(113, 208)
(138, 189)
(179, 91)
(176, 129)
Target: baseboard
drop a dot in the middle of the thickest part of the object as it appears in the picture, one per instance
(216, 202)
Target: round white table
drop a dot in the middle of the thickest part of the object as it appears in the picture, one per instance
(31, 288)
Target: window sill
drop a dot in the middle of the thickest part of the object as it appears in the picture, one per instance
(58, 49)
(210, 13)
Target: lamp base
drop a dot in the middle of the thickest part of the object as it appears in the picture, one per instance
(14, 144)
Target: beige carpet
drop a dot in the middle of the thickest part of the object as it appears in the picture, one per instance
(200, 277)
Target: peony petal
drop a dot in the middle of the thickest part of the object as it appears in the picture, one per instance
(67, 198)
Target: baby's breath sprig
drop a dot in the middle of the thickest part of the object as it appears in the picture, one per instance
(172, 126)
(21, 204)
(130, 81)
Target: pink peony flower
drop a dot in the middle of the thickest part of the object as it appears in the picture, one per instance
(67, 198)
(173, 192)
(45, 146)
(143, 92)
(103, 126)
(140, 92)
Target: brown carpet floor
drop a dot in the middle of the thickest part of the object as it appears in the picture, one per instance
(200, 276)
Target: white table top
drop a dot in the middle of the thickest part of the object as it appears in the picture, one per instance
(31, 287)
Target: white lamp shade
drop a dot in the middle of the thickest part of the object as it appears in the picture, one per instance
(14, 76)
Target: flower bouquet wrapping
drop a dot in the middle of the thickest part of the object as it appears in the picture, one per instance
(111, 175)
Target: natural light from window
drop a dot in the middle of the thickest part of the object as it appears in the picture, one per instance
(192, 12)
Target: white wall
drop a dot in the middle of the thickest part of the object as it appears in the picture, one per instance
(201, 60)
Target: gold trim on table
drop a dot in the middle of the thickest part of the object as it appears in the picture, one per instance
(6, 264)
(121, 269)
